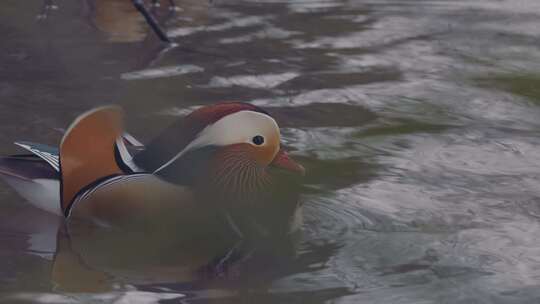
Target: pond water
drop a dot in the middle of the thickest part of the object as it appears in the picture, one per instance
(418, 122)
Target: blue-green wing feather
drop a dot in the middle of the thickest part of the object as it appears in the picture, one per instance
(45, 152)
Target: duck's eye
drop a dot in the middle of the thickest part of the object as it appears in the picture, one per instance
(258, 140)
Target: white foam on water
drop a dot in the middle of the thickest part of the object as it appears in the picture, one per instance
(169, 71)
(264, 81)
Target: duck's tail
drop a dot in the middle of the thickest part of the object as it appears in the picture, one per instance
(34, 179)
(92, 149)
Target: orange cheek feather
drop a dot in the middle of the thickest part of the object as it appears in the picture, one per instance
(266, 154)
(262, 155)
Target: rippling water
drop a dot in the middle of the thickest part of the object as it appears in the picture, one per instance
(417, 120)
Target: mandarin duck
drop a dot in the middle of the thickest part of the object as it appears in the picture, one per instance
(221, 163)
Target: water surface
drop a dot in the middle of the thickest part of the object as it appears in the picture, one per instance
(417, 121)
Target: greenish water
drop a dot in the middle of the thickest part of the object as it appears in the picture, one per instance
(418, 122)
(526, 85)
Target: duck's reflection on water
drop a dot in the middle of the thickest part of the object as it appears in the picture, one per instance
(90, 258)
(93, 259)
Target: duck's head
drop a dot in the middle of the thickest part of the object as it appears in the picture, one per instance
(231, 156)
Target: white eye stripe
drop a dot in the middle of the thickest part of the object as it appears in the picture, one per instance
(239, 127)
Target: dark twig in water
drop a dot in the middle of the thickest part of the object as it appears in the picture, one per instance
(139, 5)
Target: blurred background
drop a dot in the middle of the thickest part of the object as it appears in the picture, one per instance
(418, 122)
